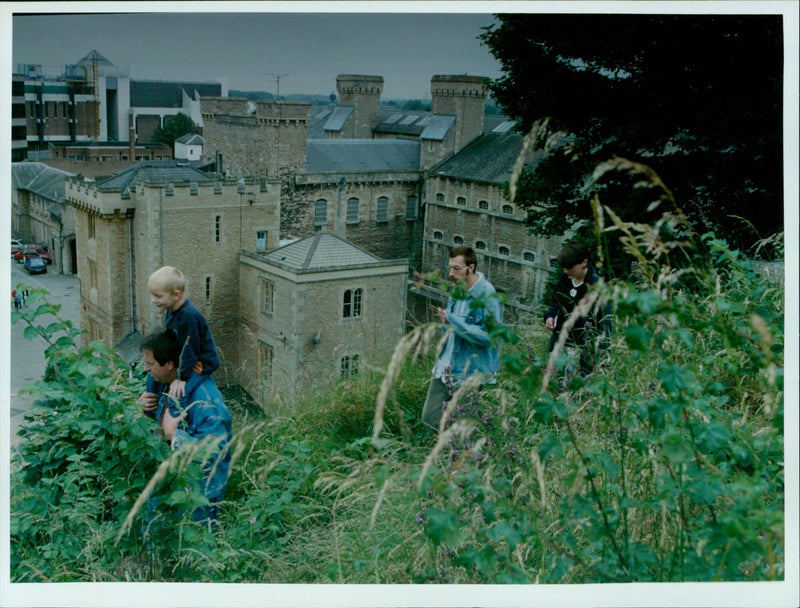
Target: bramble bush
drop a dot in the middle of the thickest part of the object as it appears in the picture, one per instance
(666, 464)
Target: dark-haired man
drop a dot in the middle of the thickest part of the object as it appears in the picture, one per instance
(573, 284)
(469, 348)
(200, 413)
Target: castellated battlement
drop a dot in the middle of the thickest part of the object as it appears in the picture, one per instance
(358, 84)
(459, 86)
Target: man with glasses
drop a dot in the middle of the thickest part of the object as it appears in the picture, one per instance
(470, 314)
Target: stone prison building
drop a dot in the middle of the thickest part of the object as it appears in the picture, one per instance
(301, 238)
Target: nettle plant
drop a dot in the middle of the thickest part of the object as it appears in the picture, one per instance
(86, 455)
(665, 464)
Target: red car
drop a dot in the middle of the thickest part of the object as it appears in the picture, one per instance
(25, 252)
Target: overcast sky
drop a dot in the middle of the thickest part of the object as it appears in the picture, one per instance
(308, 49)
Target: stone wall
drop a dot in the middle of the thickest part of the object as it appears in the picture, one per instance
(395, 237)
(478, 215)
(305, 330)
(255, 139)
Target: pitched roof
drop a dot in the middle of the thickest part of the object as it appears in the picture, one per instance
(320, 252)
(438, 127)
(89, 59)
(338, 118)
(40, 179)
(154, 171)
(490, 158)
(361, 155)
(190, 139)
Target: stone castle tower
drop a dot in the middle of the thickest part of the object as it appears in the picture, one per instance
(463, 97)
(363, 93)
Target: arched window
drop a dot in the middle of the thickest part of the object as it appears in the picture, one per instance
(503, 250)
(461, 201)
(411, 207)
(484, 205)
(528, 256)
(508, 209)
(480, 245)
(320, 212)
(351, 304)
(348, 367)
(383, 209)
(437, 235)
(458, 240)
(352, 210)
(439, 197)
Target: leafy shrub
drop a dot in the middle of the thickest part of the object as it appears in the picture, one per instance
(665, 465)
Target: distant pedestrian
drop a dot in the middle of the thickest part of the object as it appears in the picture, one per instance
(18, 302)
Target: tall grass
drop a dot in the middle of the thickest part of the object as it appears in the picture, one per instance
(664, 465)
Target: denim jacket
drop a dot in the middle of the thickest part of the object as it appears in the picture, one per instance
(206, 414)
(472, 350)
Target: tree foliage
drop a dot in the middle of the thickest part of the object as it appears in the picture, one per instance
(174, 128)
(697, 98)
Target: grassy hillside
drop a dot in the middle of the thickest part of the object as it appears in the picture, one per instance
(666, 464)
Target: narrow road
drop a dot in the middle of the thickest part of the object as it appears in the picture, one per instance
(27, 356)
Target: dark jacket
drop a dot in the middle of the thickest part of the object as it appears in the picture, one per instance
(565, 299)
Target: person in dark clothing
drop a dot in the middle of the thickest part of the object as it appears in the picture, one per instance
(589, 331)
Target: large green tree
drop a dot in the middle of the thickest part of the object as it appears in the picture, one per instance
(697, 99)
(174, 128)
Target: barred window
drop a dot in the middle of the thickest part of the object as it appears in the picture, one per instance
(352, 211)
(348, 366)
(320, 212)
(411, 208)
(461, 201)
(383, 209)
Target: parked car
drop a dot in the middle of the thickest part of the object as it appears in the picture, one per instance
(27, 250)
(34, 264)
(16, 245)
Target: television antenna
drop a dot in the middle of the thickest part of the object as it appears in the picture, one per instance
(277, 79)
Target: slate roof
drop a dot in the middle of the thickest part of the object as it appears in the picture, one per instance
(402, 122)
(338, 117)
(154, 171)
(490, 158)
(190, 139)
(165, 94)
(360, 155)
(40, 179)
(438, 127)
(320, 252)
(315, 129)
